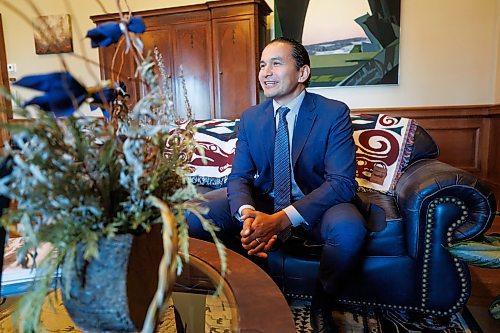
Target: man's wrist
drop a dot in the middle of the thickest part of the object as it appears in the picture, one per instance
(240, 211)
(295, 218)
(285, 221)
(285, 226)
(284, 234)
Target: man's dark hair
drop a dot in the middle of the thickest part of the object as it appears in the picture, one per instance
(299, 54)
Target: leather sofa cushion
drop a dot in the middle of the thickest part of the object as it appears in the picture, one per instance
(390, 241)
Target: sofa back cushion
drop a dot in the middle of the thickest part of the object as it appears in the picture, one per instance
(424, 147)
(385, 146)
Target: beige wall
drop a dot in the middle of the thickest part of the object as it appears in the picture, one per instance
(450, 53)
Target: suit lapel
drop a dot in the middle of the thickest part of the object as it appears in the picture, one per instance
(303, 126)
(268, 132)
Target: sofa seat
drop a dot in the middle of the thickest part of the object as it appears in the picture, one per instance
(389, 241)
(295, 265)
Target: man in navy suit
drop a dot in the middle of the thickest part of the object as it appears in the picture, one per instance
(322, 167)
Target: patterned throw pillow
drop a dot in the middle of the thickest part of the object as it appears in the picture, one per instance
(384, 145)
(218, 138)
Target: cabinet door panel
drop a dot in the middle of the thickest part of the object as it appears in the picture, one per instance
(235, 65)
(193, 52)
(119, 66)
(161, 40)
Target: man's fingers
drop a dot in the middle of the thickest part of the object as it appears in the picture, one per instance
(249, 242)
(247, 246)
(270, 243)
(261, 255)
(248, 215)
(246, 229)
(259, 248)
(252, 243)
(245, 241)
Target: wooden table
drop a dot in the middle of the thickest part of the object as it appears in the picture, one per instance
(261, 306)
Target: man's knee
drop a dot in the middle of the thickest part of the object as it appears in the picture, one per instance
(343, 222)
(195, 227)
(216, 213)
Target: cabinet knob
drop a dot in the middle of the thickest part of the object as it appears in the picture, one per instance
(169, 76)
(220, 73)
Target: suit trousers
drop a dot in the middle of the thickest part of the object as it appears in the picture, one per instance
(341, 229)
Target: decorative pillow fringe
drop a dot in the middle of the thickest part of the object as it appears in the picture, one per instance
(408, 142)
(212, 182)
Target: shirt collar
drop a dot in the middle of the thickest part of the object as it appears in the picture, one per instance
(293, 105)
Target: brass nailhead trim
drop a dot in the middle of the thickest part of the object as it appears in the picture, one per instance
(427, 253)
(449, 234)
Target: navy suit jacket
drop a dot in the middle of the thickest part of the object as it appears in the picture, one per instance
(323, 156)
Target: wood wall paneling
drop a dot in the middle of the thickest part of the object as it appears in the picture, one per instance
(459, 143)
(494, 152)
(493, 155)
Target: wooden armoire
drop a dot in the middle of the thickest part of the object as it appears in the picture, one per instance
(218, 45)
(5, 104)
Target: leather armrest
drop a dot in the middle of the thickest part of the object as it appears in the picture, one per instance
(453, 202)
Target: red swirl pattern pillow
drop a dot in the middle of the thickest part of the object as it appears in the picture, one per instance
(384, 145)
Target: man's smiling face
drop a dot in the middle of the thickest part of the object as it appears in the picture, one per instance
(279, 77)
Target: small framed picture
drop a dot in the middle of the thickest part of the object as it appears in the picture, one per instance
(53, 34)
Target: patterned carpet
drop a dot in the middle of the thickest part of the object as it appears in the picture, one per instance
(218, 318)
(367, 320)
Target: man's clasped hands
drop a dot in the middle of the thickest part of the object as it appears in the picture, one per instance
(260, 230)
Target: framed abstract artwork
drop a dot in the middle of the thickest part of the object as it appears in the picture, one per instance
(350, 42)
(53, 34)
